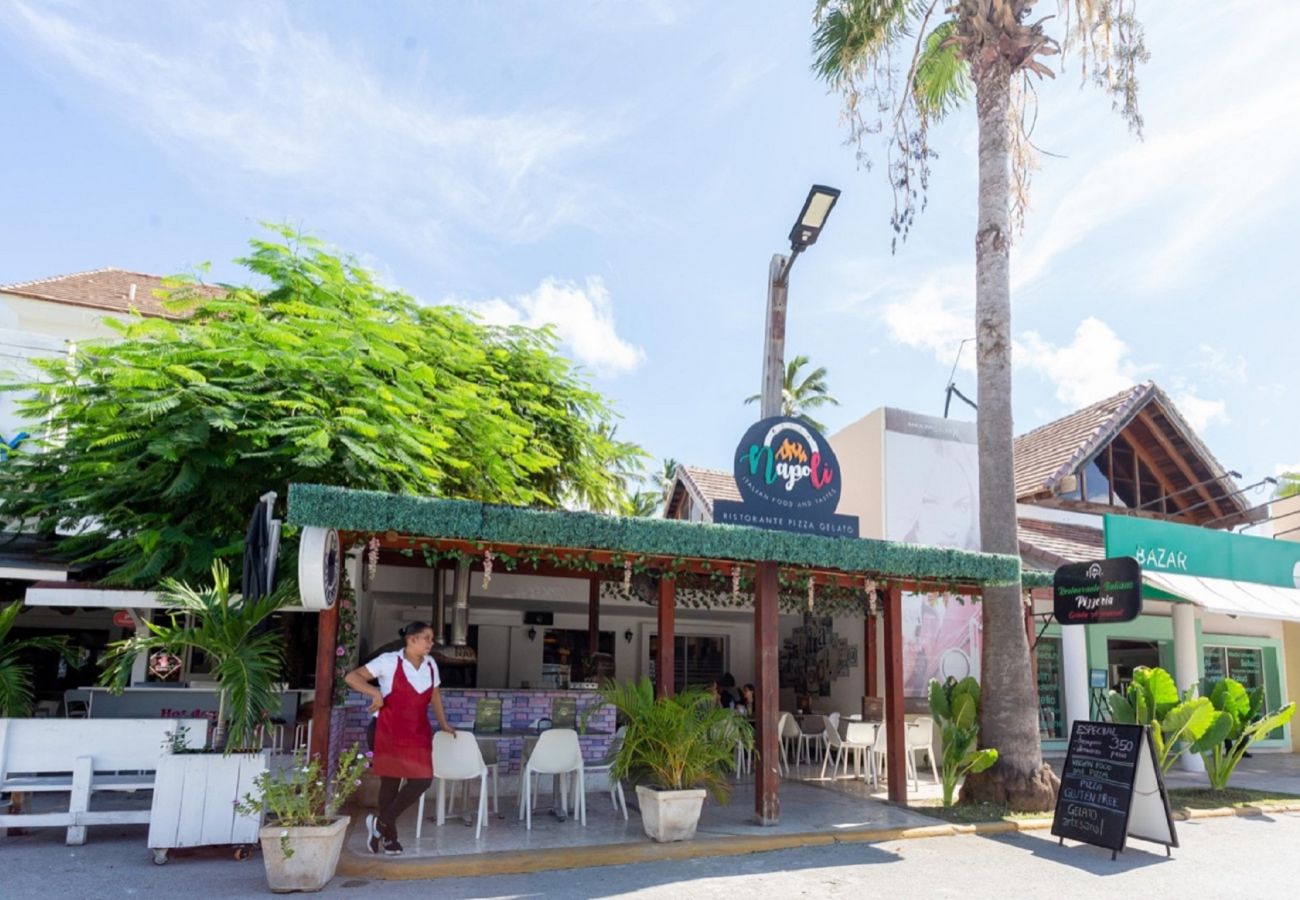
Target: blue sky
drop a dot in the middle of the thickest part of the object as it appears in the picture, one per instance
(625, 170)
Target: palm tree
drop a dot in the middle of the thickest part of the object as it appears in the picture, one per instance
(16, 675)
(246, 659)
(950, 49)
(798, 396)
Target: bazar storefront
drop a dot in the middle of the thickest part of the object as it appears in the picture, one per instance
(1215, 604)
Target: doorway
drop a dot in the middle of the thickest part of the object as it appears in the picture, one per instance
(1123, 656)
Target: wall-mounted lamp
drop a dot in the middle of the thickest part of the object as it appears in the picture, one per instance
(627, 636)
(532, 634)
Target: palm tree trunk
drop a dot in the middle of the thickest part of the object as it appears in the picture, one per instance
(1008, 708)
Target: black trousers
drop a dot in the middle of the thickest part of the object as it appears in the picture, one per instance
(396, 795)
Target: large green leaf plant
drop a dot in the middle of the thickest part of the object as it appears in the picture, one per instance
(15, 672)
(1239, 720)
(1176, 721)
(247, 660)
(955, 707)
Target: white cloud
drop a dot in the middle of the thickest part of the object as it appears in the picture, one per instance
(1201, 412)
(935, 315)
(250, 101)
(1221, 365)
(582, 316)
(1094, 365)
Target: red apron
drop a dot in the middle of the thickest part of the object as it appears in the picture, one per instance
(403, 735)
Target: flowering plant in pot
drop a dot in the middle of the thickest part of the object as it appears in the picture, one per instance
(303, 835)
(676, 750)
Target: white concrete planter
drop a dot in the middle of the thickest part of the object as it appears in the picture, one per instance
(194, 798)
(316, 850)
(669, 815)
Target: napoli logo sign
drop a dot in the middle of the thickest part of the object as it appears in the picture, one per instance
(789, 480)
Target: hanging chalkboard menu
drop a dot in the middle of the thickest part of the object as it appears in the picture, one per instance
(1111, 789)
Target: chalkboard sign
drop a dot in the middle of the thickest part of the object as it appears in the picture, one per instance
(1111, 789)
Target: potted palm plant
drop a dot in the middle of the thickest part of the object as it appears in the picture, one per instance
(304, 834)
(247, 662)
(675, 750)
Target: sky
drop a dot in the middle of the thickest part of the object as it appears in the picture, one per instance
(625, 171)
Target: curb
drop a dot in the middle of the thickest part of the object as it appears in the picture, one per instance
(514, 862)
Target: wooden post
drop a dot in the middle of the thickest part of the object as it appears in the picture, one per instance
(767, 773)
(327, 633)
(593, 620)
(666, 662)
(872, 657)
(895, 735)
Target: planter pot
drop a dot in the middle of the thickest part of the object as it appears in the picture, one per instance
(194, 798)
(315, 850)
(669, 815)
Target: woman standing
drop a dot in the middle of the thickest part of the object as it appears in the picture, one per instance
(400, 735)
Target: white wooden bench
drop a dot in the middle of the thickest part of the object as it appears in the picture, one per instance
(79, 757)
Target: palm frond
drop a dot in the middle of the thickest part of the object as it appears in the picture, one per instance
(942, 81)
(15, 689)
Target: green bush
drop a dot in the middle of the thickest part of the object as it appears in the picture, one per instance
(1239, 720)
(676, 743)
(1176, 721)
(955, 706)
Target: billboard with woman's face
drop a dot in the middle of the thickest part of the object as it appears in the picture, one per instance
(932, 497)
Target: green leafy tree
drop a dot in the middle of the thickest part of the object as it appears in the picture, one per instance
(955, 706)
(247, 660)
(1288, 484)
(899, 66)
(1152, 699)
(1239, 721)
(160, 442)
(15, 674)
(800, 394)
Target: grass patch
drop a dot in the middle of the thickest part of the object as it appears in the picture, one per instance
(1209, 798)
(970, 813)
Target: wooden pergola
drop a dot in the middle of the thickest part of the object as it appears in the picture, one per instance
(607, 548)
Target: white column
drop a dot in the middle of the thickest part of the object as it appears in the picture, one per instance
(1074, 672)
(1187, 666)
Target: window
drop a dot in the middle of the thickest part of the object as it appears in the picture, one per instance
(1244, 664)
(698, 659)
(1051, 697)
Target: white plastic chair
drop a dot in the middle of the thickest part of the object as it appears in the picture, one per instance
(606, 766)
(558, 754)
(882, 752)
(860, 739)
(812, 737)
(920, 739)
(456, 757)
(833, 719)
(787, 731)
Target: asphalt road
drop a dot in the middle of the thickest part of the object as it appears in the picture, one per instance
(1219, 858)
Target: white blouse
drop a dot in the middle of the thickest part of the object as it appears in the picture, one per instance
(384, 668)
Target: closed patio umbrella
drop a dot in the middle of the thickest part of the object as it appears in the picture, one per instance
(261, 547)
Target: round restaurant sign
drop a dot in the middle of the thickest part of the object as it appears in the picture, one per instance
(318, 567)
(784, 464)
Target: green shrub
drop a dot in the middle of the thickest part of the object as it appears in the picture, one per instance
(1176, 721)
(955, 706)
(1239, 720)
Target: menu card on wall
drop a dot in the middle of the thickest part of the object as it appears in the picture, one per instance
(1111, 789)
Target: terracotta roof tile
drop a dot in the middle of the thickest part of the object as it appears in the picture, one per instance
(709, 485)
(107, 289)
(1055, 543)
(1053, 450)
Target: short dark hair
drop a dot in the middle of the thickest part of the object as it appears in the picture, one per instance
(411, 628)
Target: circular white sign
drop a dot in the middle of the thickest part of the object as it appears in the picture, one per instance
(318, 567)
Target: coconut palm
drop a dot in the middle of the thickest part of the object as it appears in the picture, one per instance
(16, 675)
(247, 660)
(899, 66)
(801, 394)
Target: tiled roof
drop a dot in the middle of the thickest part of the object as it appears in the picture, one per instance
(1053, 450)
(107, 289)
(708, 485)
(1055, 544)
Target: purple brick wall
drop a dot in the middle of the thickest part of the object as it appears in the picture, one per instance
(519, 709)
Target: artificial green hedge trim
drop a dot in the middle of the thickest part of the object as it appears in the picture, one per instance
(371, 511)
(1032, 578)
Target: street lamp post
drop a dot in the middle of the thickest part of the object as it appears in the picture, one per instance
(807, 228)
(767, 777)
